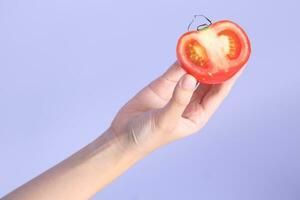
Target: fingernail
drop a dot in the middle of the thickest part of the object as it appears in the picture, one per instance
(188, 82)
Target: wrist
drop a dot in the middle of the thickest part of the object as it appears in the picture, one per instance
(120, 145)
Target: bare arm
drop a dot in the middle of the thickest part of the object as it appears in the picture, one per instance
(171, 107)
(83, 174)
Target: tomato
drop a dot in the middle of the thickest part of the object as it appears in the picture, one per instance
(215, 53)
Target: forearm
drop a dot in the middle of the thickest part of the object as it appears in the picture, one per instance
(84, 173)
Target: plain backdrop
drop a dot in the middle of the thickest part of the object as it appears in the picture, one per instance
(67, 66)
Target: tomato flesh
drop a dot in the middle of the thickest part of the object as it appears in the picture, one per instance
(197, 53)
(234, 44)
(214, 54)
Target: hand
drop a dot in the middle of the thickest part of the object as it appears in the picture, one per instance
(171, 107)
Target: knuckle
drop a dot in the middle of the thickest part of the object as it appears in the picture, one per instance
(181, 101)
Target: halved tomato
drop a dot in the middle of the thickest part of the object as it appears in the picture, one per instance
(214, 54)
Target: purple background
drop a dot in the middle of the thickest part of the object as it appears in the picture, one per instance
(66, 67)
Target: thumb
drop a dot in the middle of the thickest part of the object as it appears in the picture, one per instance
(181, 97)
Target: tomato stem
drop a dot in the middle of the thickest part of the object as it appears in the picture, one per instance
(201, 26)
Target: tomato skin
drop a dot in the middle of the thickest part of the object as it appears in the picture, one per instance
(227, 46)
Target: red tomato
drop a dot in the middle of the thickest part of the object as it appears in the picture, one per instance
(214, 54)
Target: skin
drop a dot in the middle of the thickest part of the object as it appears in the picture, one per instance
(171, 107)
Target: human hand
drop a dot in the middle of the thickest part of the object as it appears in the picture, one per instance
(171, 107)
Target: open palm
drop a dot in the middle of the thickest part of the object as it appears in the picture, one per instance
(171, 107)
